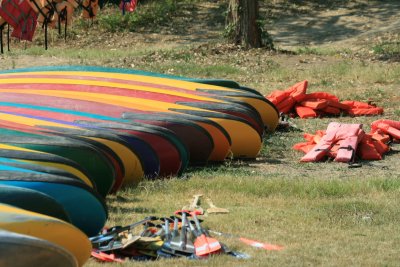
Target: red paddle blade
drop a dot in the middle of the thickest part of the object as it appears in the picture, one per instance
(101, 256)
(206, 245)
(257, 244)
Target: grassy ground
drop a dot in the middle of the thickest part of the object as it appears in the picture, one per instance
(325, 213)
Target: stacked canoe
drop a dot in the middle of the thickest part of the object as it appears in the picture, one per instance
(70, 135)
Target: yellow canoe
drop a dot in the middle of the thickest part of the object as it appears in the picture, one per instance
(48, 228)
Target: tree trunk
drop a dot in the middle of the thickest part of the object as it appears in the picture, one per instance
(242, 26)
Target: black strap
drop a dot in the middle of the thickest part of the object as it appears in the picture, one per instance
(88, 8)
(66, 24)
(45, 35)
(8, 37)
(352, 163)
(47, 17)
(1, 39)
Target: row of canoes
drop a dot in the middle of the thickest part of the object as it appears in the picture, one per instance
(71, 135)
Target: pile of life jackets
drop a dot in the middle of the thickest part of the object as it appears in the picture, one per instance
(295, 101)
(344, 142)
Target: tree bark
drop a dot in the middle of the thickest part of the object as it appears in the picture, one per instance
(242, 23)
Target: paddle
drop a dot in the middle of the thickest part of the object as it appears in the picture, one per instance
(174, 245)
(250, 242)
(203, 244)
(166, 250)
(178, 241)
(99, 239)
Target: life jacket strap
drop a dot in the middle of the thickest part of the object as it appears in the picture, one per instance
(1, 38)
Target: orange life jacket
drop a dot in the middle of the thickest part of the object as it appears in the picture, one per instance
(358, 108)
(285, 100)
(298, 91)
(346, 135)
(314, 103)
(305, 112)
(389, 127)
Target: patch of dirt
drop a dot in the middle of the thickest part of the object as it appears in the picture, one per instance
(347, 26)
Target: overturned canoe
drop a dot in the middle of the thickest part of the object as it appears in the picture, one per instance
(101, 140)
(100, 169)
(47, 228)
(207, 88)
(85, 208)
(32, 200)
(246, 140)
(194, 132)
(23, 250)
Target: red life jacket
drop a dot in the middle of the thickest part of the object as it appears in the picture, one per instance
(389, 127)
(347, 136)
(358, 108)
(285, 100)
(305, 112)
(127, 5)
(20, 15)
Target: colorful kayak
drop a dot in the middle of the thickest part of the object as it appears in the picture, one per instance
(91, 159)
(200, 148)
(20, 250)
(42, 162)
(32, 200)
(148, 156)
(194, 133)
(85, 208)
(48, 228)
(132, 164)
(246, 140)
(235, 92)
(76, 84)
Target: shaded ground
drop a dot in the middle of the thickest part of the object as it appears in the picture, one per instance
(355, 25)
(348, 26)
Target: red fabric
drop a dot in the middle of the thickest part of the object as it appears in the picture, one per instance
(128, 6)
(392, 123)
(286, 105)
(367, 150)
(358, 108)
(277, 96)
(305, 112)
(321, 95)
(322, 103)
(20, 15)
(331, 110)
(315, 103)
(298, 91)
(380, 136)
(370, 147)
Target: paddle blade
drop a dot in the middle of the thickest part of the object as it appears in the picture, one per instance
(206, 245)
(257, 244)
(104, 257)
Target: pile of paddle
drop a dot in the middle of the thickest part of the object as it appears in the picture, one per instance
(180, 235)
(295, 101)
(346, 144)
